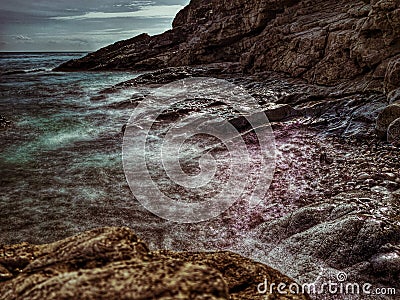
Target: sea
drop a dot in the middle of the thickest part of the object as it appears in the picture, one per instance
(60, 161)
(61, 168)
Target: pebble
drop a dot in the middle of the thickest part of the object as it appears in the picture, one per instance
(314, 184)
(390, 176)
(369, 182)
(390, 184)
(363, 176)
(380, 190)
(365, 199)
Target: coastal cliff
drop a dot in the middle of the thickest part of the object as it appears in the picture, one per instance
(323, 42)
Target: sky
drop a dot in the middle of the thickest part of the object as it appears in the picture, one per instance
(80, 25)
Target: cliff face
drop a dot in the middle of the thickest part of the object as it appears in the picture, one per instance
(324, 42)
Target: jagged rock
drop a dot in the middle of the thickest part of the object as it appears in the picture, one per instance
(385, 118)
(323, 42)
(112, 263)
(393, 132)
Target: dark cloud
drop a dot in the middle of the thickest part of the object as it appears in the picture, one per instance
(76, 24)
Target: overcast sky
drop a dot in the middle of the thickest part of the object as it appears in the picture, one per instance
(80, 25)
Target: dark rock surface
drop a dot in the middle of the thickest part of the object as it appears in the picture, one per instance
(386, 117)
(112, 263)
(347, 232)
(393, 132)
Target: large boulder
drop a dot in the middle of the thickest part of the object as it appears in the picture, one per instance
(355, 232)
(386, 117)
(393, 132)
(112, 263)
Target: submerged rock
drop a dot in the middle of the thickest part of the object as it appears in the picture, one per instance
(112, 263)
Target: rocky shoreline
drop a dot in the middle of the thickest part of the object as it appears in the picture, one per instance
(327, 76)
(332, 207)
(353, 47)
(113, 263)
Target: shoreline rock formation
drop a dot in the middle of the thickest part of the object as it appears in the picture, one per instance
(323, 42)
(112, 263)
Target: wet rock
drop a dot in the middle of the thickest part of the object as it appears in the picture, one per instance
(393, 132)
(385, 262)
(380, 190)
(132, 103)
(386, 117)
(112, 263)
(280, 112)
(390, 176)
(363, 176)
(369, 182)
(123, 129)
(341, 233)
(390, 184)
(5, 274)
(100, 97)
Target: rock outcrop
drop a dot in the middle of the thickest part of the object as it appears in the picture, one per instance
(323, 42)
(112, 263)
(386, 117)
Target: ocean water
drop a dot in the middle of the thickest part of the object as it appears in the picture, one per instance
(61, 168)
(60, 161)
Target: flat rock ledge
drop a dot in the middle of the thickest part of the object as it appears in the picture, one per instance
(112, 263)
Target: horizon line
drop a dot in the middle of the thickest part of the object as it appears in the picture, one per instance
(43, 51)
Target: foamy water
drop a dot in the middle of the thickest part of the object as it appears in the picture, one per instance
(62, 172)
